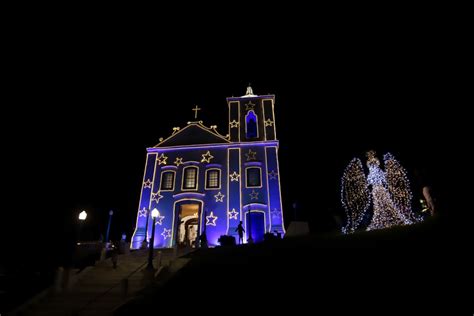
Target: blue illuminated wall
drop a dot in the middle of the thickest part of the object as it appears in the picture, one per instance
(256, 203)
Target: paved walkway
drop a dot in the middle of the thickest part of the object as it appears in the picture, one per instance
(100, 289)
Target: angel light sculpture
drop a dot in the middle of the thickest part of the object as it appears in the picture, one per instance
(387, 190)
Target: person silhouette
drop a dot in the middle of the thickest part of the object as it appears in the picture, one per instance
(240, 229)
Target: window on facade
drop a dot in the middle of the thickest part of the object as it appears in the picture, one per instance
(251, 126)
(190, 178)
(213, 179)
(253, 177)
(167, 181)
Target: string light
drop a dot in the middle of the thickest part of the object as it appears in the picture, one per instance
(219, 197)
(399, 187)
(390, 193)
(233, 214)
(211, 219)
(355, 195)
(251, 155)
(162, 159)
(178, 161)
(207, 157)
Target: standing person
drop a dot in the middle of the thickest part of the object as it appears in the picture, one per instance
(114, 256)
(240, 229)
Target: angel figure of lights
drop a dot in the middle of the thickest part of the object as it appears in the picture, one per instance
(387, 190)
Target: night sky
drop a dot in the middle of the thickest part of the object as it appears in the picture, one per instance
(86, 106)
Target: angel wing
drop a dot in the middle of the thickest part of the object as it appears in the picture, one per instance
(355, 195)
(399, 186)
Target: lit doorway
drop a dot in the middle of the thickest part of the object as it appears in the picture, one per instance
(188, 224)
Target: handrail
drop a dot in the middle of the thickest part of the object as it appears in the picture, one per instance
(111, 288)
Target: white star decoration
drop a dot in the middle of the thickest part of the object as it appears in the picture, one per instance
(254, 195)
(249, 106)
(219, 197)
(159, 219)
(273, 175)
(142, 212)
(232, 214)
(162, 159)
(156, 197)
(147, 184)
(275, 213)
(178, 161)
(268, 123)
(207, 157)
(211, 220)
(166, 233)
(234, 124)
(234, 177)
(251, 155)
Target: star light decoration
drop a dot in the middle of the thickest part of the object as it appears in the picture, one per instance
(254, 195)
(178, 161)
(234, 176)
(219, 197)
(162, 159)
(142, 213)
(251, 155)
(234, 124)
(275, 213)
(156, 197)
(159, 219)
(147, 184)
(268, 123)
(207, 157)
(232, 214)
(211, 219)
(166, 233)
(249, 106)
(273, 175)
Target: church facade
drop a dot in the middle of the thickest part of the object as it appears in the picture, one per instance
(204, 184)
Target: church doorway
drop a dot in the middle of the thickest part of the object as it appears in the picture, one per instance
(255, 225)
(187, 231)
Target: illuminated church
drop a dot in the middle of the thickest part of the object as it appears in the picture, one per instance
(203, 183)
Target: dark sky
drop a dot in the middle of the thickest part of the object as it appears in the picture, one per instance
(86, 104)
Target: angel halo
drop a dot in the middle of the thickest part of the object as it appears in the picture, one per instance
(388, 191)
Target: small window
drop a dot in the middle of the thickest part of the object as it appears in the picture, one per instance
(190, 178)
(254, 178)
(213, 179)
(167, 180)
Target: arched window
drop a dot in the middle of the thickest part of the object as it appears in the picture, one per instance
(254, 177)
(190, 176)
(167, 181)
(251, 125)
(213, 179)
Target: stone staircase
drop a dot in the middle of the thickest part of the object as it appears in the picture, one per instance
(100, 289)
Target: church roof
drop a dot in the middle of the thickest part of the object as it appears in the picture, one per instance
(195, 133)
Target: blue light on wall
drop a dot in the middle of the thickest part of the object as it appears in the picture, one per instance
(189, 211)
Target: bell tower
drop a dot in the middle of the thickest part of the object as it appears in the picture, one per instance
(251, 117)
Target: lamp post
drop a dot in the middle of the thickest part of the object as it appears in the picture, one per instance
(82, 218)
(154, 215)
(108, 226)
(145, 242)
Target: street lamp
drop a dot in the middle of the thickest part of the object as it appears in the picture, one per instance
(145, 242)
(108, 227)
(154, 214)
(82, 218)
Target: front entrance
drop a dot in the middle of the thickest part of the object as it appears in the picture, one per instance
(188, 224)
(255, 225)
